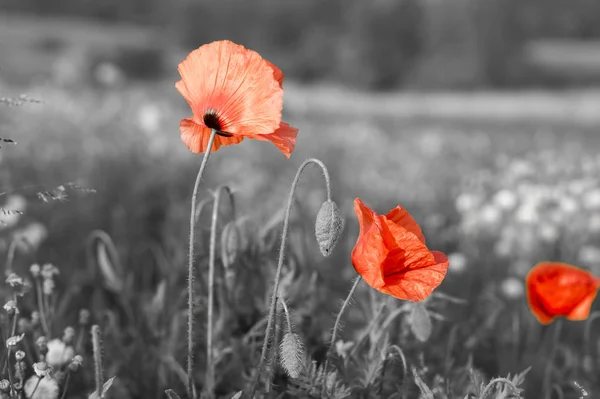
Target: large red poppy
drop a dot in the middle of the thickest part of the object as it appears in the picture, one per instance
(560, 290)
(391, 256)
(235, 91)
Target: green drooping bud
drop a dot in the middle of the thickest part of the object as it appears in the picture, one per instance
(328, 227)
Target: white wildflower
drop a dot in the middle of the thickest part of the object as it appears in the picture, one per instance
(512, 288)
(457, 262)
(59, 353)
(45, 388)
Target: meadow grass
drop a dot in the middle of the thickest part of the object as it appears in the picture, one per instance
(121, 250)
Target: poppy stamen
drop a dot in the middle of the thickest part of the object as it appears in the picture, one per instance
(211, 120)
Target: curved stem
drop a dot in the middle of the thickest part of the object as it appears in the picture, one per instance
(191, 390)
(210, 375)
(288, 319)
(273, 304)
(10, 257)
(334, 333)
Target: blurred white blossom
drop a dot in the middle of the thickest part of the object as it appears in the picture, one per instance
(512, 288)
(457, 262)
(505, 199)
(45, 388)
(59, 353)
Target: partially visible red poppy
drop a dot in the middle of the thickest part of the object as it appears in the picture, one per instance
(560, 290)
(235, 91)
(391, 256)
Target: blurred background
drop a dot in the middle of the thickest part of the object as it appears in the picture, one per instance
(479, 116)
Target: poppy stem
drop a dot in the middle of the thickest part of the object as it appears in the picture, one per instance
(550, 361)
(191, 390)
(336, 327)
(272, 307)
(210, 373)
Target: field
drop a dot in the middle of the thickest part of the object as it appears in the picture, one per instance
(498, 181)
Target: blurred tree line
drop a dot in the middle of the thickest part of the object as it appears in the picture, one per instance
(375, 44)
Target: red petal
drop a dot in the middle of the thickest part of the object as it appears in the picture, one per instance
(370, 251)
(414, 275)
(277, 74)
(402, 218)
(284, 138)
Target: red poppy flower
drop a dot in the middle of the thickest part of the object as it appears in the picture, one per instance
(559, 290)
(235, 91)
(391, 256)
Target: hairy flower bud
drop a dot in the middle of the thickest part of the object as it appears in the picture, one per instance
(230, 238)
(328, 227)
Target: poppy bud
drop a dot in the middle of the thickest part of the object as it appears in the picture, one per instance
(328, 227)
(229, 244)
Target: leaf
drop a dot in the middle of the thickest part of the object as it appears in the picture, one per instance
(476, 381)
(425, 391)
(172, 394)
(237, 395)
(420, 322)
(105, 389)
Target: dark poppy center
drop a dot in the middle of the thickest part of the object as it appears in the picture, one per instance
(211, 120)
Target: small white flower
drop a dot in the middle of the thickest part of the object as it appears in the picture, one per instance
(512, 288)
(505, 199)
(504, 247)
(457, 262)
(589, 254)
(527, 213)
(490, 215)
(568, 204)
(59, 353)
(591, 199)
(47, 388)
(548, 232)
(14, 340)
(466, 202)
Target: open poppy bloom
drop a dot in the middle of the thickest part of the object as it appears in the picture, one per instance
(391, 256)
(559, 290)
(236, 92)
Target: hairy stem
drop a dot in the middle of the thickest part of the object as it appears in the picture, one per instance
(550, 362)
(286, 221)
(336, 327)
(98, 366)
(288, 319)
(191, 390)
(210, 374)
